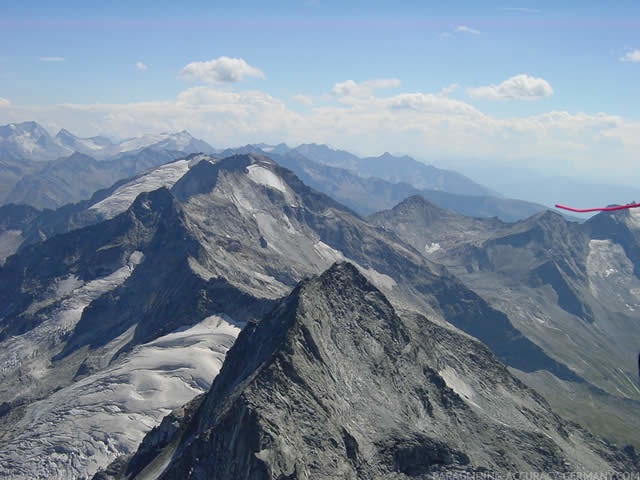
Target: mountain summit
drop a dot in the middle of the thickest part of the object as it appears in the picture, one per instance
(31, 141)
(333, 383)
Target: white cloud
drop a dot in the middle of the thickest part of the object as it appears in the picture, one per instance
(220, 70)
(4, 102)
(519, 87)
(448, 89)
(303, 99)
(141, 66)
(51, 59)
(465, 29)
(350, 88)
(426, 125)
(632, 56)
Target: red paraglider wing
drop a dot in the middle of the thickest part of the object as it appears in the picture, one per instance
(601, 209)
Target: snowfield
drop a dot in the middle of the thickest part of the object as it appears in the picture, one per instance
(264, 176)
(83, 427)
(22, 356)
(122, 198)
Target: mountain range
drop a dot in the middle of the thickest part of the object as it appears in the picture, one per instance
(406, 343)
(31, 141)
(396, 169)
(365, 184)
(367, 194)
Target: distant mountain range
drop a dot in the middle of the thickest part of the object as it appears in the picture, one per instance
(46, 172)
(397, 170)
(369, 194)
(547, 189)
(364, 184)
(31, 141)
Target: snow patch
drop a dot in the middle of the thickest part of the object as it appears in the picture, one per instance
(144, 141)
(611, 275)
(380, 280)
(67, 285)
(263, 176)
(458, 385)
(432, 247)
(122, 198)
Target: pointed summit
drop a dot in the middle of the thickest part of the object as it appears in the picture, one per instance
(334, 384)
(30, 140)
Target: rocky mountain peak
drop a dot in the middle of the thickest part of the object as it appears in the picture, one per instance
(419, 204)
(334, 383)
(65, 134)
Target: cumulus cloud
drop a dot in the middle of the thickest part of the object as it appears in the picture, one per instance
(466, 29)
(303, 99)
(4, 102)
(449, 89)
(519, 87)
(51, 59)
(220, 70)
(350, 88)
(141, 66)
(422, 124)
(632, 56)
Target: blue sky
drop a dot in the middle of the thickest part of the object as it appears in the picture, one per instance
(546, 83)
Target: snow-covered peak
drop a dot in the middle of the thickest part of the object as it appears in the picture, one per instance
(181, 141)
(30, 140)
(89, 146)
(144, 141)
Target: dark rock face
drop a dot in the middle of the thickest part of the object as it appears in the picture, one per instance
(334, 384)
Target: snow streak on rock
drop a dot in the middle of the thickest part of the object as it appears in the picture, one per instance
(123, 196)
(611, 275)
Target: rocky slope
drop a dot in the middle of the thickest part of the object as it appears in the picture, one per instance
(77, 177)
(573, 289)
(333, 383)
